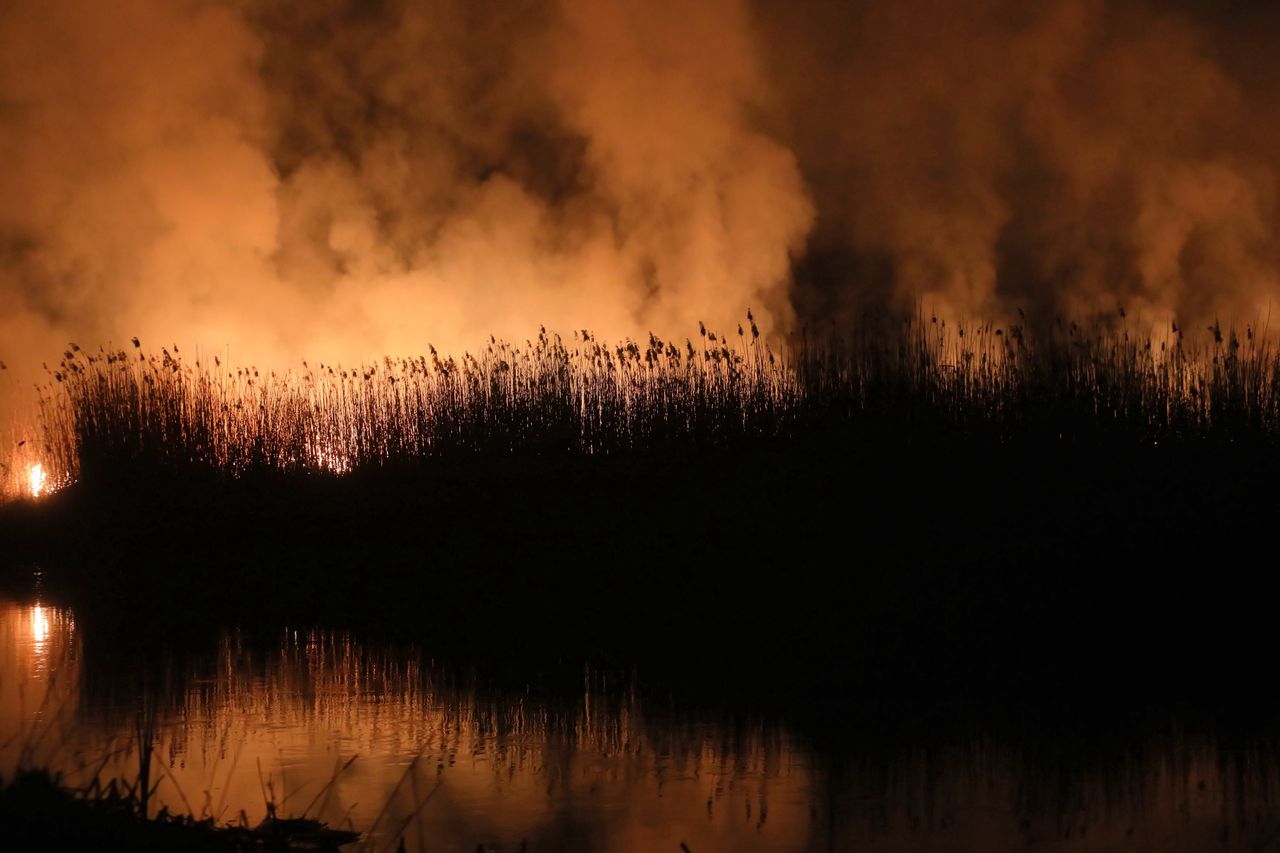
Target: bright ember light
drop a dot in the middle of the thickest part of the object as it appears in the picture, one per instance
(333, 461)
(38, 479)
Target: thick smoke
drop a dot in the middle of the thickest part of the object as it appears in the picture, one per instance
(344, 178)
(341, 179)
(1069, 158)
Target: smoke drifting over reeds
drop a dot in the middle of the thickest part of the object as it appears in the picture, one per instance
(1073, 157)
(343, 178)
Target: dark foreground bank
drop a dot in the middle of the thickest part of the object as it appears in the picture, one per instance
(953, 565)
(38, 812)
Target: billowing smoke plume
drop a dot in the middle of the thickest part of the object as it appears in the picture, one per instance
(346, 178)
(342, 179)
(1073, 157)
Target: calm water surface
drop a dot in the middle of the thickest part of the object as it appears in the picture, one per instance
(379, 739)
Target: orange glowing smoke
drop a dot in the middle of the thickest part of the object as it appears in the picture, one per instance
(340, 180)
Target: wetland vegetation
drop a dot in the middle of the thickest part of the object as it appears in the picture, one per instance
(963, 519)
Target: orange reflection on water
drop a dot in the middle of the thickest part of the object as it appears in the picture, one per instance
(39, 670)
(504, 769)
(599, 774)
(37, 641)
(39, 625)
(384, 741)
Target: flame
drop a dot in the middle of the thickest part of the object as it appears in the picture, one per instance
(329, 458)
(37, 479)
(333, 462)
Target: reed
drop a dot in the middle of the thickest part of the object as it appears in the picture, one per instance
(104, 414)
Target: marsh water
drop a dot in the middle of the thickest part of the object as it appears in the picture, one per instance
(387, 740)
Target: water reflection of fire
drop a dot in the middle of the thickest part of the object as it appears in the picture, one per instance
(50, 627)
(39, 627)
(42, 637)
(39, 677)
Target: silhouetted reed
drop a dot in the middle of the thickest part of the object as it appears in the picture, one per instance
(105, 413)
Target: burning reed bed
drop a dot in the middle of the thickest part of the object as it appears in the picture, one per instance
(107, 413)
(130, 408)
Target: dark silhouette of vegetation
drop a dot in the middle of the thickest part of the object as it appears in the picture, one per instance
(106, 414)
(937, 503)
(38, 812)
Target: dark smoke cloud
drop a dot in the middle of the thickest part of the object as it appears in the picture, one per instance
(343, 178)
(1061, 157)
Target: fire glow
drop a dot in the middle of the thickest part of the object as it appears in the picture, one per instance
(331, 460)
(37, 480)
(622, 166)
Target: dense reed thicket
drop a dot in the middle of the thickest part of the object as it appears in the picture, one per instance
(108, 412)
